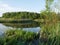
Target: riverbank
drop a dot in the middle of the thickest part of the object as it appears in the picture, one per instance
(19, 37)
(49, 36)
(11, 20)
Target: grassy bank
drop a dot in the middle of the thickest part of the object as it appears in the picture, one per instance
(18, 37)
(49, 35)
(11, 20)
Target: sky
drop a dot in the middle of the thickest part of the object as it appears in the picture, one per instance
(21, 5)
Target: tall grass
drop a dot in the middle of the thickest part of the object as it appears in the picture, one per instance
(50, 31)
(51, 34)
(18, 37)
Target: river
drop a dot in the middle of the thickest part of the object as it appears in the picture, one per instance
(26, 27)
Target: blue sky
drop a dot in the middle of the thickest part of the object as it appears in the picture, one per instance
(21, 5)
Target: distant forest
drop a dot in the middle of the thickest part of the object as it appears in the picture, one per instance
(21, 15)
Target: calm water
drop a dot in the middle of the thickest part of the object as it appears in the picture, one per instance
(26, 27)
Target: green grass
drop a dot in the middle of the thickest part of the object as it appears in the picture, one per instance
(17, 37)
(50, 34)
(50, 30)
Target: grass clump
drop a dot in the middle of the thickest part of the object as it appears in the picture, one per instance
(18, 37)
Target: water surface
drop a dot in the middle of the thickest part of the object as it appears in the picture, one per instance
(26, 27)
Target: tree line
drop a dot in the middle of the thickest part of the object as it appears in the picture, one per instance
(21, 15)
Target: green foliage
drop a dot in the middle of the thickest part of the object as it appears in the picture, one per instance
(50, 30)
(21, 15)
(50, 34)
(49, 17)
(17, 37)
(2, 41)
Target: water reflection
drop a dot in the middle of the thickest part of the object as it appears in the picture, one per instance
(2, 28)
(22, 25)
(33, 27)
